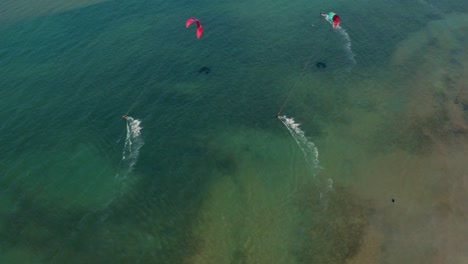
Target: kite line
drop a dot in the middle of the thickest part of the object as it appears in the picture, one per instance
(136, 101)
(294, 86)
(189, 21)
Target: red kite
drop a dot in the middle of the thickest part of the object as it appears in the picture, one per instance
(199, 26)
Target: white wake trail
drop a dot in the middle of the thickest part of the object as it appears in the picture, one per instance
(347, 45)
(133, 143)
(347, 39)
(308, 148)
(311, 156)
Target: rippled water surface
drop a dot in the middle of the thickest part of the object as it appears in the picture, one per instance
(366, 164)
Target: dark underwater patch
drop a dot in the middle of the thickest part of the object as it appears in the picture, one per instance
(321, 65)
(205, 70)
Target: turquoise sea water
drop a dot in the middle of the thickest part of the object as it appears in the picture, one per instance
(205, 173)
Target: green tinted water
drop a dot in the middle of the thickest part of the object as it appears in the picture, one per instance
(218, 179)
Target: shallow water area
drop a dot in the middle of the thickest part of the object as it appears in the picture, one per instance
(208, 174)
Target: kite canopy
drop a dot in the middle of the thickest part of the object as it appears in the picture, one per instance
(336, 21)
(199, 26)
(332, 18)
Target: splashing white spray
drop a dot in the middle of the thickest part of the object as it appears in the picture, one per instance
(347, 39)
(310, 153)
(308, 148)
(133, 143)
(347, 45)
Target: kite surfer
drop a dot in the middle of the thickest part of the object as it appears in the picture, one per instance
(333, 18)
(127, 118)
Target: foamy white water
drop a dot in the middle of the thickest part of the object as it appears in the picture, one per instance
(308, 148)
(133, 143)
(347, 39)
(310, 154)
(347, 45)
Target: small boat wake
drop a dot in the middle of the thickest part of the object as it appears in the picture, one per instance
(133, 143)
